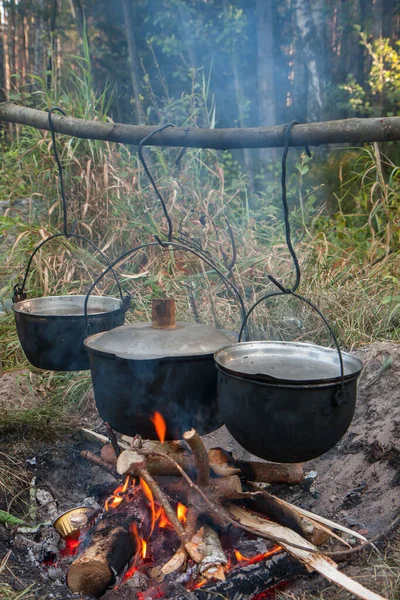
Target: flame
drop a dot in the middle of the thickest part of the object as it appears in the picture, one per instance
(258, 557)
(162, 519)
(160, 426)
(149, 495)
(200, 584)
(116, 498)
(144, 548)
(181, 513)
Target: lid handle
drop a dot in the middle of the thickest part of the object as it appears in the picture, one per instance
(163, 313)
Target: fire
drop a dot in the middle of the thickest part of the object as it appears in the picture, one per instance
(144, 548)
(162, 519)
(200, 584)
(116, 498)
(160, 426)
(131, 571)
(181, 513)
(149, 495)
(258, 557)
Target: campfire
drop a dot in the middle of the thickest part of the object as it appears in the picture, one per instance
(182, 519)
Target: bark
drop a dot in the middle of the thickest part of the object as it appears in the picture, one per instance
(352, 131)
(265, 68)
(110, 549)
(133, 59)
(312, 52)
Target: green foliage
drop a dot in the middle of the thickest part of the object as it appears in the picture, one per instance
(380, 93)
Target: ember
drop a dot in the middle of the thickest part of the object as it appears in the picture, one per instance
(258, 557)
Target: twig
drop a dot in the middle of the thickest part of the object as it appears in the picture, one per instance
(113, 438)
(163, 500)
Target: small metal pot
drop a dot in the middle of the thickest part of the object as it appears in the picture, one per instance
(52, 329)
(283, 401)
(161, 366)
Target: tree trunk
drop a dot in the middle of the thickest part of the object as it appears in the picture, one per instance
(377, 18)
(39, 40)
(362, 19)
(265, 66)
(240, 97)
(78, 16)
(133, 59)
(51, 61)
(387, 18)
(312, 52)
(3, 50)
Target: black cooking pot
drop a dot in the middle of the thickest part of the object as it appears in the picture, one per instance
(286, 401)
(52, 329)
(163, 367)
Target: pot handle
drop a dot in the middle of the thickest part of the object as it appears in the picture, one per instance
(163, 246)
(339, 397)
(18, 290)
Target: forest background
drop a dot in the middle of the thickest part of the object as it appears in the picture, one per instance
(206, 63)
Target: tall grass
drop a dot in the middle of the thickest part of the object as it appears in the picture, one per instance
(347, 237)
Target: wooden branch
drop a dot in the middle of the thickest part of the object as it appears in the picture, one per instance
(196, 445)
(313, 134)
(97, 460)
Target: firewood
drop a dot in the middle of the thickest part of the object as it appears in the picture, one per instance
(300, 548)
(93, 571)
(97, 460)
(223, 463)
(108, 454)
(214, 558)
(280, 512)
(200, 457)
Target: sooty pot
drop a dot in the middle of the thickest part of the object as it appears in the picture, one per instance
(286, 401)
(52, 329)
(163, 366)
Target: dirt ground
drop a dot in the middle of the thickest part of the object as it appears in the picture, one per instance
(357, 483)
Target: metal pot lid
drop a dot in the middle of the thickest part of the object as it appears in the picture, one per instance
(141, 341)
(67, 306)
(286, 361)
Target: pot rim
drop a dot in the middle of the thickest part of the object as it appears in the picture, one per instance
(18, 310)
(113, 356)
(290, 385)
(279, 381)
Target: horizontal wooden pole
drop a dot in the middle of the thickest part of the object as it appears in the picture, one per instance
(312, 134)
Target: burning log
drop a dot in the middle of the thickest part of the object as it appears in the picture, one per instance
(112, 545)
